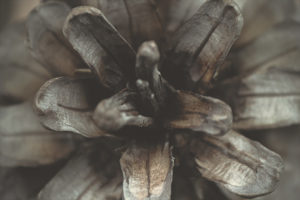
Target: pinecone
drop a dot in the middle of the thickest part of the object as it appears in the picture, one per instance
(132, 98)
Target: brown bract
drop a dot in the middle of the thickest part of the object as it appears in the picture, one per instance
(111, 58)
(66, 104)
(151, 177)
(243, 166)
(200, 45)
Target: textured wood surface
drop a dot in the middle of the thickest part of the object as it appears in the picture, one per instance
(147, 172)
(198, 113)
(201, 44)
(66, 104)
(105, 51)
(242, 166)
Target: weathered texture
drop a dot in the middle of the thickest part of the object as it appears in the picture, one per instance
(201, 44)
(105, 51)
(20, 75)
(137, 20)
(119, 111)
(144, 21)
(46, 39)
(116, 13)
(286, 142)
(93, 173)
(147, 172)
(198, 114)
(175, 13)
(154, 90)
(66, 104)
(266, 95)
(177, 109)
(131, 99)
(24, 142)
(242, 166)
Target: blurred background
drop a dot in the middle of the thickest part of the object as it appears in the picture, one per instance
(15, 10)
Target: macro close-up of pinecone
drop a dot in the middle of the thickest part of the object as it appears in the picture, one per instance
(149, 100)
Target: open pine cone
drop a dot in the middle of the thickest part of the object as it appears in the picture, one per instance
(139, 82)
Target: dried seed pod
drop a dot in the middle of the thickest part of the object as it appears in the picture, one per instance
(93, 173)
(147, 172)
(20, 74)
(149, 107)
(201, 44)
(242, 166)
(24, 142)
(112, 58)
(66, 104)
(46, 39)
(118, 111)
